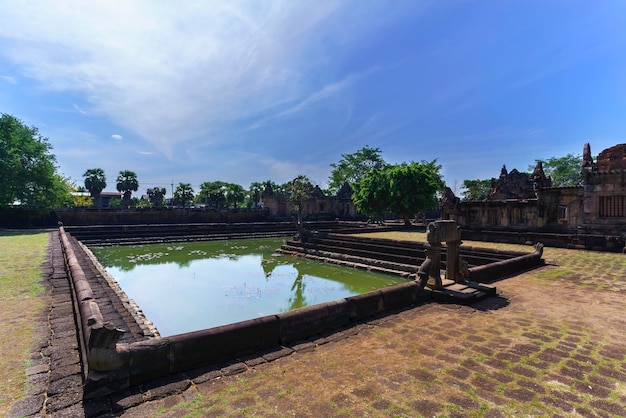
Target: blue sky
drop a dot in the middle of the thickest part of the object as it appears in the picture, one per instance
(244, 91)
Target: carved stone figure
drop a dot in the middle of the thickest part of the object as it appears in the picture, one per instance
(442, 231)
(448, 199)
(437, 232)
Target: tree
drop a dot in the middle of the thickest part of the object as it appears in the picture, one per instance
(371, 194)
(404, 189)
(183, 195)
(58, 194)
(353, 167)
(413, 187)
(95, 182)
(564, 171)
(300, 190)
(213, 193)
(235, 194)
(476, 189)
(127, 183)
(156, 195)
(27, 167)
(255, 192)
(280, 190)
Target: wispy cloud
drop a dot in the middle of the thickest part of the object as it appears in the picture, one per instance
(117, 137)
(8, 79)
(168, 72)
(79, 110)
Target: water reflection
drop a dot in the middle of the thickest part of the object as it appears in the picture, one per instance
(191, 286)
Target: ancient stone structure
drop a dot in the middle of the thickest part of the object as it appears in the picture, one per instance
(528, 202)
(604, 196)
(430, 270)
(317, 206)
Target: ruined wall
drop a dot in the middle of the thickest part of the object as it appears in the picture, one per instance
(317, 206)
(93, 216)
(604, 201)
(518, 201)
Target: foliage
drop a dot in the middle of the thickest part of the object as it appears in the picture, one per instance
(155, 196)
(183, 195)
(413, 187)
(27, 167)
(353, 167)
(115, 203)
(404, 189)
(565, 171)
(255, 192)
(280, 190)
(371, 194)
(235, 195)
(476, 189)
(60, 193)
(213, 193)
(141, 202)
(82, 201)
(127, 183)
(95, 182)
(300, 190)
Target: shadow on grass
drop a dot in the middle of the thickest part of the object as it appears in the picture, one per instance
(4, 232)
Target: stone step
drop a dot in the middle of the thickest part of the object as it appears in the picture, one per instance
(462, 293)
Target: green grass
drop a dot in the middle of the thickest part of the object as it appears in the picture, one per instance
(21, 256)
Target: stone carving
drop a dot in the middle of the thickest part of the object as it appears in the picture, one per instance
(440, 231)
(512, 185)
(430, 270)
(540, 180)
(423, 272)
(448, 199)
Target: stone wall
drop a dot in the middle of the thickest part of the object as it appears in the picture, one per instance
(521, 202)
(94, 216)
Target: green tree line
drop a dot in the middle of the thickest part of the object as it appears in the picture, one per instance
(29, 177)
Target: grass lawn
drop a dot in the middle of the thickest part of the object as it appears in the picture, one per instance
(21, 302)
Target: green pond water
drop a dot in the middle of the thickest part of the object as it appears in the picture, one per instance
(184, 287)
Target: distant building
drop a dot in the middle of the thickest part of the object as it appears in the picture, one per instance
(317, 206)
(106, 198)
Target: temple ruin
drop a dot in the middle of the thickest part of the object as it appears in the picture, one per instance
(592, 214)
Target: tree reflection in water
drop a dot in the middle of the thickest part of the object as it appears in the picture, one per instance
(185, 287)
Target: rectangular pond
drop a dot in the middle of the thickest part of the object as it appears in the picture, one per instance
(184, 287)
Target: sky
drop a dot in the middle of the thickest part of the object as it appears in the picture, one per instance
(248, 91)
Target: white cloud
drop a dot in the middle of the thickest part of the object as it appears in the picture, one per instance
(173, 71)
(117, 137)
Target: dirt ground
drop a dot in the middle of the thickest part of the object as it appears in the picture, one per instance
(552, 344)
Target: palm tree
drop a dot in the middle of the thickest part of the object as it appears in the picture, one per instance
(127, 183)
(95, 182)
(155, 195)
(183, 193)
(235, 194)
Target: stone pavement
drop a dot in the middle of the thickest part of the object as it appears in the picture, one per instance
(549, 345)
